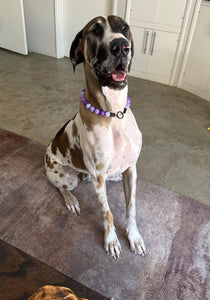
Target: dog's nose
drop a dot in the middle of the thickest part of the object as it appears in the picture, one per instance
(119, 47)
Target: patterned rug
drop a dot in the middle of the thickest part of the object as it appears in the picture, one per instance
(176, 231)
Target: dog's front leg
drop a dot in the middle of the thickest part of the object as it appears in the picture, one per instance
(134, 237)
(111, 242)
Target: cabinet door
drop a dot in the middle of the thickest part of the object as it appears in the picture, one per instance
(154, 53)
(144, 10)
(158, 11)
(141, 38)
(162, 52)
(12, 26)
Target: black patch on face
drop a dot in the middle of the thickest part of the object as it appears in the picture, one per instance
(98, 31)
(91, 49)
(102, 54)
(119, 25)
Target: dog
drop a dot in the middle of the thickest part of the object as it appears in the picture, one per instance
(56, 293)
(103, 139)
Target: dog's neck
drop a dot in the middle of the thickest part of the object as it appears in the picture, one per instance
(116, 99)
(103, 98)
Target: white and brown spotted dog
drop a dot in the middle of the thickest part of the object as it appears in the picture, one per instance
(98, 144)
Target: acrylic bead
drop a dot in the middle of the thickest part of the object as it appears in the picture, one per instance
(102, 113)
(96, 111)
(107, 114)
(88, 105)
(92, 108)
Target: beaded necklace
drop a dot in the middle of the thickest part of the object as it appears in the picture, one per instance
(119, 114)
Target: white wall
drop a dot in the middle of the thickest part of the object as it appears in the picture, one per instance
(77, 13)
(40, 26)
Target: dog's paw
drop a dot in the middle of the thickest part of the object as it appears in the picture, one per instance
(74, 208)
(72, 204)
(112, 245)
(136, 241)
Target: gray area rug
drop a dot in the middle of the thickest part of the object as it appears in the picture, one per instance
(176, 231)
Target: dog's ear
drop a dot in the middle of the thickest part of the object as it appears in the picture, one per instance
(76, 55)
(132, 53)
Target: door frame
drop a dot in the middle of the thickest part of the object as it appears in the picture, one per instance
(59, 36)
(188, 44)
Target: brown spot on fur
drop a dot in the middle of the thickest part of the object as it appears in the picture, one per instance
(55, 171)
(99, 166)
(101, 205)
(100, 180)
(60, 142)
(109, 218)
(55, 162)
(77, 158)
(64, 186)
(61, 174)
(74, 130)
(48, 162)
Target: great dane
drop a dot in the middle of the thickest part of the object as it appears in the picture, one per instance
(103, 139)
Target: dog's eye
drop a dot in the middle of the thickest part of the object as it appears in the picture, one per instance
(125, 27)
(97, 30)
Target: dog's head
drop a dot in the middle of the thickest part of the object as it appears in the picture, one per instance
(106, 45)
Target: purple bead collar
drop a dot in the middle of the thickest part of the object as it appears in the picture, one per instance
(119, 114)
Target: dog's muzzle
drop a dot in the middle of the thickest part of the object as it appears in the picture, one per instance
(112, 72)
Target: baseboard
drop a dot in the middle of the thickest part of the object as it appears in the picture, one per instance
(195, 90)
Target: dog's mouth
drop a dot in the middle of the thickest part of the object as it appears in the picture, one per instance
(116, 79)
(118, 75)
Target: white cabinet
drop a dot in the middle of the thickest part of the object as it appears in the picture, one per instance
(153, 54)
(156, 26)
(162, 14)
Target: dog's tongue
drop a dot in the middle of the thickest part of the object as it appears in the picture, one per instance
(118, 75)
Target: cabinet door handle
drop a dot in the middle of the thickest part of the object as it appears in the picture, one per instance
(153, 42)
(146, 40)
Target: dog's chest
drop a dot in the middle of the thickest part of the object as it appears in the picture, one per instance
(126, 144)
(117, 147)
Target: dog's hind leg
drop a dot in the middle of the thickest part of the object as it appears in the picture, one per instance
(65, 179)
